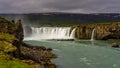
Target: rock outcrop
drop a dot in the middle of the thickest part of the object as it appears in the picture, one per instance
(39, 54)
(9, 46)
(11, 40)
(14, 29)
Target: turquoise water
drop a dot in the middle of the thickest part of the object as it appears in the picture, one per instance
(83, 53)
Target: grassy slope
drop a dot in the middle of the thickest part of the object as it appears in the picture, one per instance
(6, 61)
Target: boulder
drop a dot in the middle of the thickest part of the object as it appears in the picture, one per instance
(115, 45)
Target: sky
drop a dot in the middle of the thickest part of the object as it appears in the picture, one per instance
(70, 6)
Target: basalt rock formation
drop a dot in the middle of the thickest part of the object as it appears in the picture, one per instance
(102, 32)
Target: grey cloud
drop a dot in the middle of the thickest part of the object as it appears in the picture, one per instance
(82, 6)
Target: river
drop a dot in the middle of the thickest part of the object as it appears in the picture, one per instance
(82, 53)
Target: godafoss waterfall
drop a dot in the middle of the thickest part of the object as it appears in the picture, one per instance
(51, 33)
(77, 53)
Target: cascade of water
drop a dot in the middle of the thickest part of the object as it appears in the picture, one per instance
(73, 33)
(93, 34)
(51, 33)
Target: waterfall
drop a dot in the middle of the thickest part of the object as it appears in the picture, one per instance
(51, 33)
(93, 34)
(72, 35)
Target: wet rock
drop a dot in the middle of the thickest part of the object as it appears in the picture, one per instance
(39, 54)
(115, 45)
(49, 49)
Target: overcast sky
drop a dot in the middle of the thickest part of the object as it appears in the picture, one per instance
(72, 6)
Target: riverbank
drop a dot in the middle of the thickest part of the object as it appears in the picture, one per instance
(30, 57)
(38, 54)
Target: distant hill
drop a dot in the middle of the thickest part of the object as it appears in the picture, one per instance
(64, 18)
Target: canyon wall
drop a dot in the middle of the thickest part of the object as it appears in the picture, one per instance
(102, 31)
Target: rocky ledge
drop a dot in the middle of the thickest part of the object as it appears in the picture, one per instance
(18, 54)
(39, 54)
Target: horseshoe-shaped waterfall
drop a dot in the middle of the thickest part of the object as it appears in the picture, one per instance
(51, 33)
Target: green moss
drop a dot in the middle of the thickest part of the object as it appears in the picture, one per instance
(7, 47)
(6, 41)
(6, 62)
(6, 26)
(7, 37)
(3, 20)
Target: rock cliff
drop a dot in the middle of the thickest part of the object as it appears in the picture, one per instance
(102, 31)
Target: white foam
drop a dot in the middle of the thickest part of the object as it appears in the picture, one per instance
(44, 33)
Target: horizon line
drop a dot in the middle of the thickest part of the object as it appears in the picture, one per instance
(63, 12)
